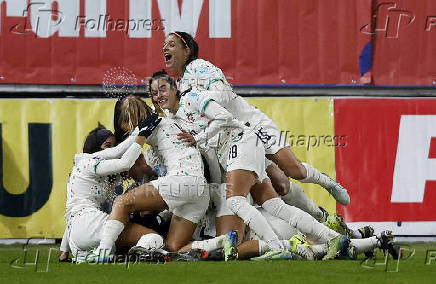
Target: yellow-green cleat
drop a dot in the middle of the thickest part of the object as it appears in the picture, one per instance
(300, 247)
(230, 245)
(274, 255)
(336, 247)
(336, 223)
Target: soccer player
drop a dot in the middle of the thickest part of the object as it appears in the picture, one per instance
(245, 172)
(92, 182)
(181, 56)
(183, 191)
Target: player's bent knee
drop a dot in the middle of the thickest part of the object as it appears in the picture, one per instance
(283, 187)
(123, 202)
(172, 246)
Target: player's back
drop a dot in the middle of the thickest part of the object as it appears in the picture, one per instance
(86, 189)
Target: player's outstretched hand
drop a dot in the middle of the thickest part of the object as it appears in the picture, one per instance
(187, 138)
(147, 125)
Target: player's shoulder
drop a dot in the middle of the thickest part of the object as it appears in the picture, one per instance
(202, 68)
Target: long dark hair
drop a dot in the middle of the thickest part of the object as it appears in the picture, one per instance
(95, 138)
(188, 41)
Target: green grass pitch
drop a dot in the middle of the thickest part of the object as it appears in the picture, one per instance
(413, 269)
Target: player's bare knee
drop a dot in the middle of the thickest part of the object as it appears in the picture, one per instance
(123, 202)
(297, 172)
(281, 185)
(172, 246)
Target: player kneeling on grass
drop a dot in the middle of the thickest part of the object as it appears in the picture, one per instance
(92, 182)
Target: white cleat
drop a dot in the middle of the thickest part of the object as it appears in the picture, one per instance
(338, 191)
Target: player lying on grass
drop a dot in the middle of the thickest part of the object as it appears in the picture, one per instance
(92, 182)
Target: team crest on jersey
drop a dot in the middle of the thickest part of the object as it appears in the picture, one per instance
(203, 72)
(194, 96)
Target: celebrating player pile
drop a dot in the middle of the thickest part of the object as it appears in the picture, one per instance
(203, 124)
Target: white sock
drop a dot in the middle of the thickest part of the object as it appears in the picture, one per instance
(299, 219)
(298, 198)
(319, 251)
(209, 245)
(363, 245)
(275, 245)
(111, 230)
(251, 217)
(315, 176)
(151, 241)
(286, 244)
(263, 247)
(356, 234)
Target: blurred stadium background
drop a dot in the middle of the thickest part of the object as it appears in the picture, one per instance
(351, 83)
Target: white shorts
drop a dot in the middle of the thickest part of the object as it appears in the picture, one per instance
(268, 163)
(248, 154)
(186, 196)
(273, 138)
(85, 230)
(282, 229)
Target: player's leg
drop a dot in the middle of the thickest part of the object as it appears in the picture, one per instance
(179, 234)
(225, 219)
(64, 247)
(265, 196)
(131, 236)
(293, 168)
(239, 183)
(189, 207)
(143, 198)
(291, 193)
(278, 178)
(230, 222)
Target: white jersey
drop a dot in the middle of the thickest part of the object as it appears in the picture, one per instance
(208, 79)
(205, 77)
(94, 176)
(208, 128)
(177, 158)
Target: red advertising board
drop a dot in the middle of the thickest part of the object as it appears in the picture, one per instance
(389, 161)
(253, 41)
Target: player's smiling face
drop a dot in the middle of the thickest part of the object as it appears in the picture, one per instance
(164, 95)
(175, 54)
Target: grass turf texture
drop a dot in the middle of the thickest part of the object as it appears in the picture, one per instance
(411, 270)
